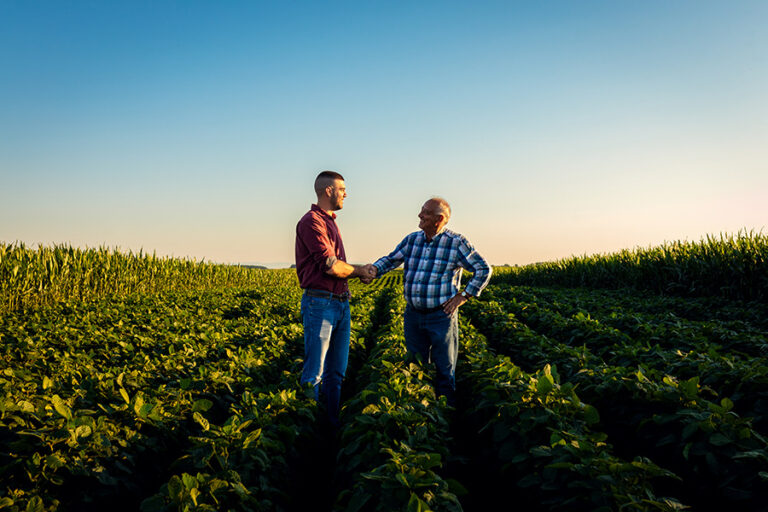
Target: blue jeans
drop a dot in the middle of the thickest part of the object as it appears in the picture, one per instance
(435, 338)
(326, 349)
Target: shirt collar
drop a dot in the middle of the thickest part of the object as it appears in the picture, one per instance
(434, 238)
(316, 208)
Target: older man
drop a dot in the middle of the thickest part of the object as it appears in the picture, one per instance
(433, 260)
(323, 272)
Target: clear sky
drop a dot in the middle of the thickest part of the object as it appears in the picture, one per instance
(195, 129)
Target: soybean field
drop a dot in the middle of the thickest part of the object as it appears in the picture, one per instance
(131, 382)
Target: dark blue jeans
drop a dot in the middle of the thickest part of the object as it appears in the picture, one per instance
(326, 349)
(435, 338)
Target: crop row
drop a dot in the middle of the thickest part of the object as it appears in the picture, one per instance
(566, 401)
(100, 399)
(394, 438)
(670, 418)
(541, 444)
(728, 359)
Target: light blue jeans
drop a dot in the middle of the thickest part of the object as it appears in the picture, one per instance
(435, 337)
(326, 349)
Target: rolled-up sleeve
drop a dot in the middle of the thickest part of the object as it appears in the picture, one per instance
(472, 261)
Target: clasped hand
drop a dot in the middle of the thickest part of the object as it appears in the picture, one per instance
(366, 273)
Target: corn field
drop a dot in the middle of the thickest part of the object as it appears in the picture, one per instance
(731, 266)
(35, 277)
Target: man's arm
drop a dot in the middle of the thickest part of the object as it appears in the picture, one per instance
(342, 269)
(471, 260)
(392, 260)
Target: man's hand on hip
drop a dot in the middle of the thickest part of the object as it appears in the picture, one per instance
(453, 303)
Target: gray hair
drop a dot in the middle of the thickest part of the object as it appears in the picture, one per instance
(441, 207)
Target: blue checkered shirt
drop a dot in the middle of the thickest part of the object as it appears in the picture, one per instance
(432, 271)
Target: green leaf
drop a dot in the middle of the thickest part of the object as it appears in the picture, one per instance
(144, 411)
(718, 439)
(61, 407)
(202, 405)
(194, 493)
(83, 431)
(154, 503)
(251, 437)
(690, 387)
(55, 461)
(216, 484)
(690, 429)
(25, 406)
(175, 488)
(591, 416)
(456, 488)
(189, 481)
(201, 420)
(687, 450)
(35, 504)
(545, 384)
(415, 504)
(529, 480)
(47, 382)
(138, 403)
(125, 396)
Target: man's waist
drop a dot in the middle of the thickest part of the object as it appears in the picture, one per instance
(314, 292)
(427, 302)
(425, 310)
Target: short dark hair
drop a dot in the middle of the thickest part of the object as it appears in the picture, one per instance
(326, 178)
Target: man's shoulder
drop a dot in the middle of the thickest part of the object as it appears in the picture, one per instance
(455, 237)
(414, 235)
(312, 216)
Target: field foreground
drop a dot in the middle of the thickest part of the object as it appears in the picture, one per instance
(568, 399)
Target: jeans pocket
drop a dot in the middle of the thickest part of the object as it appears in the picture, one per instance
(316, 305)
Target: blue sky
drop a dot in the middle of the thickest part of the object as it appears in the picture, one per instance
(195, 129)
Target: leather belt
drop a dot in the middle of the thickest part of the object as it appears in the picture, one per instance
(425, 310)
(327, 295)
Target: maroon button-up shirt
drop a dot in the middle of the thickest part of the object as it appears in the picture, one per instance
(318, 246)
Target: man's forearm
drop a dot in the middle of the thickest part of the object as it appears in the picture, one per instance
(343, 269)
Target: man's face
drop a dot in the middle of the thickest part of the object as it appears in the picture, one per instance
(338, 193)
(428, 219)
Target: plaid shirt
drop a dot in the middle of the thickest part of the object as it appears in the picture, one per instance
(433, 269)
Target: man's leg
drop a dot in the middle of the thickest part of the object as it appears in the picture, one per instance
(416, 339)
(336, 361)
(444, 335)
(318, 319)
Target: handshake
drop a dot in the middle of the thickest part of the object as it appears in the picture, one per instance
(366, 273)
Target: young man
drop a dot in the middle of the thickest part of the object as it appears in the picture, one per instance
(323, 271)
(433, 260)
